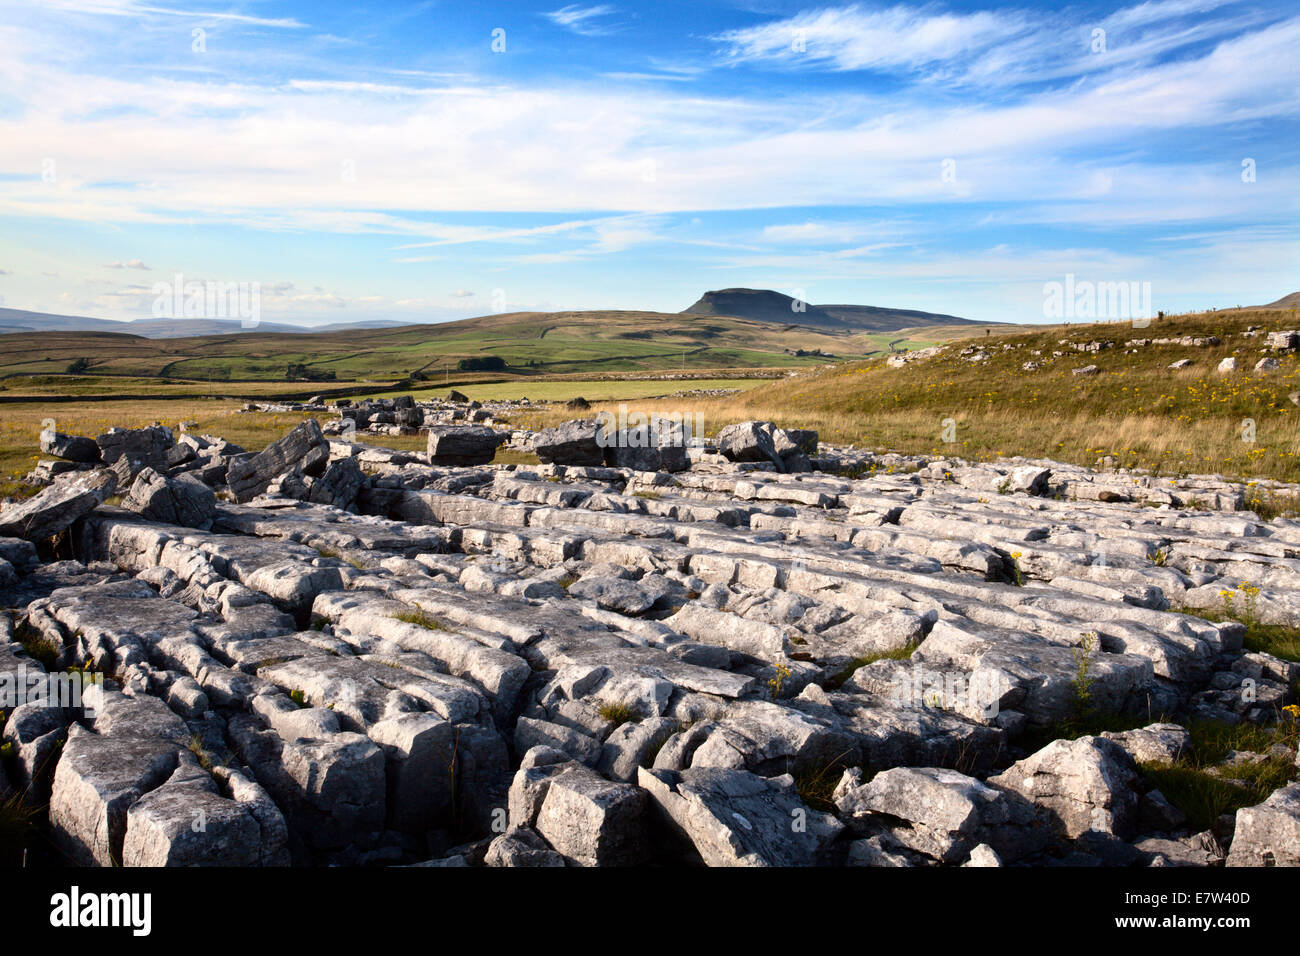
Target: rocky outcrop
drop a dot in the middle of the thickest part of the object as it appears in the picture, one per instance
(376, 659)
(181, 501)
(56, 508)
(1084, 784)
(303, 448)
(764, 442)
(463, 444)
(572, 443)
(70, 447)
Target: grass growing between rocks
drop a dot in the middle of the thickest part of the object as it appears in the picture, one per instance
(1091, 723)
(339, 556)
(816, 788)
(1203, 787)
(1276, 639)
(19, 828)
(618, 714)
(422, 619)
(897, 654)
(37, 645)
(1196, 783)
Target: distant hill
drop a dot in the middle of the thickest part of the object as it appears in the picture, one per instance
(20, 320)
(531, 343)
(765, 305)
(1291, 301)
(874, 318)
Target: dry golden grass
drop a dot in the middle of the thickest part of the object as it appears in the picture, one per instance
(21, 424)
(1135, 409)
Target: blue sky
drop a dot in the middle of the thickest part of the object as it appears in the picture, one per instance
(437, 160)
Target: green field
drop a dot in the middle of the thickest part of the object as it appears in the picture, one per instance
(532, 344)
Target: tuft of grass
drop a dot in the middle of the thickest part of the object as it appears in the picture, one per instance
(195, 746)
(1191, 786)
(897, 654)
(422, 619)
(339, 556)
(18, 829)
(618, 714)
(1269, 504)
(1276, 639)
(298, 697)
(648, 495)
(40, 648)
(817, 787)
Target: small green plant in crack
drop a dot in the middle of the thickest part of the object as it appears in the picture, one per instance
(339, 556)
(1249, 599)
(1159, 557)
(817, 788)
(200, 752)
(648, 495)
(776, 683)
(1004, 486)
(1083, 680)
(1226, 596)
(618, 714)
(298, 697)
(37, 645)
(422, 619)
(18, 829)
(897, 654)
(1017, 576)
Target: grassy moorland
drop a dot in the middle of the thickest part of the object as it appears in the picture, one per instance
(531, 343)
(562, 390)
(1135, 408)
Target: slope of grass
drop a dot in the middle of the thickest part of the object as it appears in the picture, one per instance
(1135, 408)
(531, 343)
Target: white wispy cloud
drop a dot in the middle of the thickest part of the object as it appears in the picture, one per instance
(130, 8)
(999, 47)
(582, 20)
(616, 162)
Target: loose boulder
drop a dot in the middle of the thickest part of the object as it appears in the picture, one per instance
(303, 447)
(1084, 784)
(571, 443)
(1268, 834)
(183, 501)
(463, 444)
(57, 507)
(70, 447)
